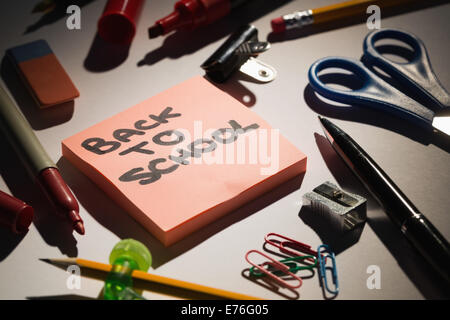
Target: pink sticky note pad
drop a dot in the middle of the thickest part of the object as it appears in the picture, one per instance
(183, 158)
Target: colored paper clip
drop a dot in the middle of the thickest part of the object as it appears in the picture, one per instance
(285, 244)
(278, 267)
(322, 258)
(291, 263)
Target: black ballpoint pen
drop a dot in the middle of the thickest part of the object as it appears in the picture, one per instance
(413, 224)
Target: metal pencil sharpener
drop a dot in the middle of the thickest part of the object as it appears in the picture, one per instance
(238, 52)
(345, 210)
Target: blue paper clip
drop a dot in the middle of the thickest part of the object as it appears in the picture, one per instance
(323, 253)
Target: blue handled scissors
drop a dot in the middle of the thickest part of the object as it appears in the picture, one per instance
(416, 75)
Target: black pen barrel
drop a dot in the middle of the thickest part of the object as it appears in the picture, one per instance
(417, 229)
(397, 206)
(429, 242)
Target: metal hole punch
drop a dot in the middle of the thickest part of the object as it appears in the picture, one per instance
(239, 52)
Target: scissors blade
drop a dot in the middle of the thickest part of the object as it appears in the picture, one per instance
(441, 121)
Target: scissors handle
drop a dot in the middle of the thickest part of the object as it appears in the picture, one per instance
(416, 75)
(374, 93)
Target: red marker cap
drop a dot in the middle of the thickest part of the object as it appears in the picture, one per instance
(14, 213)
(118, 21)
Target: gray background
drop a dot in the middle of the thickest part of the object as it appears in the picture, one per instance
(214, 256)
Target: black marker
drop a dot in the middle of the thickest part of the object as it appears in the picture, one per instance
(414, 225)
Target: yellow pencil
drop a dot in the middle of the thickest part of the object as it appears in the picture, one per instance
(335, 12)
(103, 269)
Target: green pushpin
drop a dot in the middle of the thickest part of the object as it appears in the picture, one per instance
(126, 256)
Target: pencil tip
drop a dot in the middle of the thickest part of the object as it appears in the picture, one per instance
(45, 260)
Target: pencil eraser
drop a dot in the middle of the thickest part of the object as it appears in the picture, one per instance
(278, 25)
(43, 74)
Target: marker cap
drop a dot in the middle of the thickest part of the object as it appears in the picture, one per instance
(118, 21)
(14, 213)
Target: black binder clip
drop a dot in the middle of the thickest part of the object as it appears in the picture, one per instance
(238, 53)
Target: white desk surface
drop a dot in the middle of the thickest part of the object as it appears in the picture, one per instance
(214, 256)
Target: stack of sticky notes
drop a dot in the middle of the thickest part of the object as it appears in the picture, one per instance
(43, 74)
(184, 158)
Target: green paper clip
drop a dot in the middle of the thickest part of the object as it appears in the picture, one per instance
(292, 263)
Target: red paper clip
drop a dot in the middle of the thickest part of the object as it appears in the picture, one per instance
(277, 265)
(286, 243)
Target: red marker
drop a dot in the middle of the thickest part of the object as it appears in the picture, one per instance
(14, 213)
(191, 14)
(118, 21)
(39, 165)
(62, 198)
